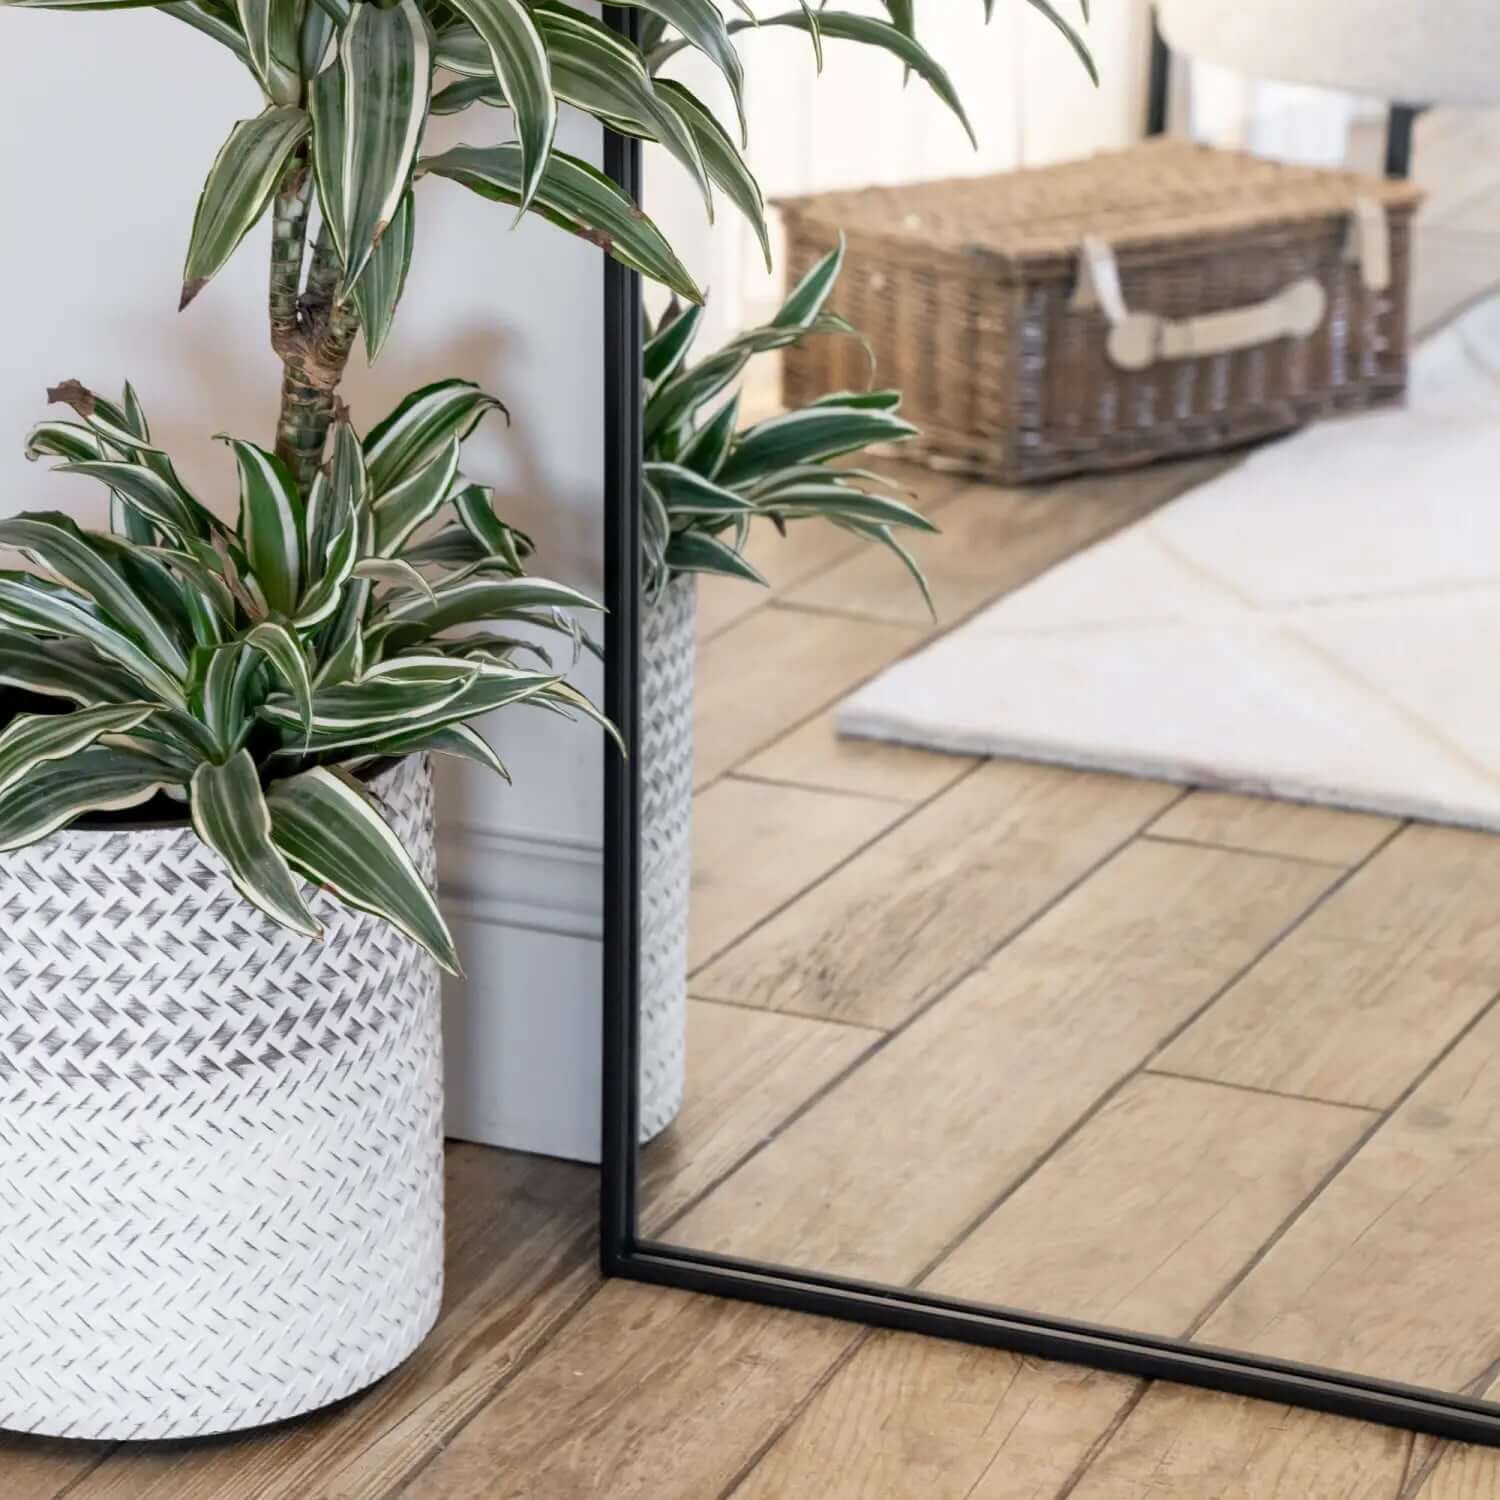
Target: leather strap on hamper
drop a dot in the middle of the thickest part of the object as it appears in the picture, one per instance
(1138, 340)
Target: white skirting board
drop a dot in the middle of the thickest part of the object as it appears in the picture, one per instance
(522, 1030)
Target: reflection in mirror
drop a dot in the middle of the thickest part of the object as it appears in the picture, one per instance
(1092, 804)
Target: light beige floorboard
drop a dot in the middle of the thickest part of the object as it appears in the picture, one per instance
(904, 920)
(1266, 826)
(992, 541)
(647, 1395)
(1461, 1471)
(814, 755)
(1387, 1272)
(1372, 987)
(748, 1070)
(909, 1418)
(34, 1468)
(1144, 1216)
(755, 847)
(772, 670)
(1181, 1444)
(890, 1167)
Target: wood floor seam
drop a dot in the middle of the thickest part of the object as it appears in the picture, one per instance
(1301, 859)
(1380, 1120)
(1247, 1088)
(887, 1037)
(1103, 1101)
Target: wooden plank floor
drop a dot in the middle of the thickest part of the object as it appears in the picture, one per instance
(873, 928)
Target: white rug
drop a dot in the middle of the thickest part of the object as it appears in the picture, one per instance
(1321, 623)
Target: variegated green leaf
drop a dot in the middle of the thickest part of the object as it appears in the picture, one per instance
(30, 739)
(377, 704)
(673, 401)
(452, 739)
(597, 70)
(393, 570)
(328, 828)
(386, 70)
(685, 493)
(325, 103)
(518, 57)
(702, 25)
(223, 676)
(316, 39)
(378, 292)
(270, 524)
(473, 601)
(200, 576)
(84, 561)
(420, 428)
(722, 159)
(272, 31)
(341, 641)
(69, 440)
(29, 604)
(1075, 41)
(400, 511)
(230, 816)
(870, 31)
(698, 552)
(281, 648)
(62, 669)
(664, 352)
(100, 416)
(241, 183)
(452, 547)
(709, 446)
(98, 779)
(875, 531)
(833, 499)
(211, 22)
(501, 543)
(813, 434)
(807, 299)
(157, 499)
(489, 687)
(576, 197)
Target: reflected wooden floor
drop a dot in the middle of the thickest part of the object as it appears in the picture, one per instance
(873, 926)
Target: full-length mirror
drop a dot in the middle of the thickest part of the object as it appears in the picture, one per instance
(1070, 762)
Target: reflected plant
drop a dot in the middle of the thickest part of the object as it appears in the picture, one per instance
(707, 480)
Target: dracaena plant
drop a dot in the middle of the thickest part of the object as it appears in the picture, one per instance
(707, 480)
(253, 670)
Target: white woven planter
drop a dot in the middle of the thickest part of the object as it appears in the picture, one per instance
(669, 649)
(221, 1166)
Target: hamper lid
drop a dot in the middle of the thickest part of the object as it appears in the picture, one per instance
(1160, 190)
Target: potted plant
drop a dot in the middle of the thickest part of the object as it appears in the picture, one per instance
(220, 1119)
(705, 483)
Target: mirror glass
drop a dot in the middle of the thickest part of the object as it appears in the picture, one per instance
(1118, 939)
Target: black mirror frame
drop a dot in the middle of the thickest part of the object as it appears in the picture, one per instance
(623, 1253)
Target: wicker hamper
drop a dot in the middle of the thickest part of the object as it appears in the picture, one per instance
(1165, 300)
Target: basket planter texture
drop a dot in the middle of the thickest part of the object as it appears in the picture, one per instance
(220, 1142)
(1157, 302)
(669, 651)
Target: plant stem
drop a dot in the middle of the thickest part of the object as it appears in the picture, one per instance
(311, 332)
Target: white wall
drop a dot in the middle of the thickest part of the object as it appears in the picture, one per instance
(108, 124)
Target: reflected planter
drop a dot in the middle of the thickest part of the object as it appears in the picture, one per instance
(220, 1141)
(669, 651)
